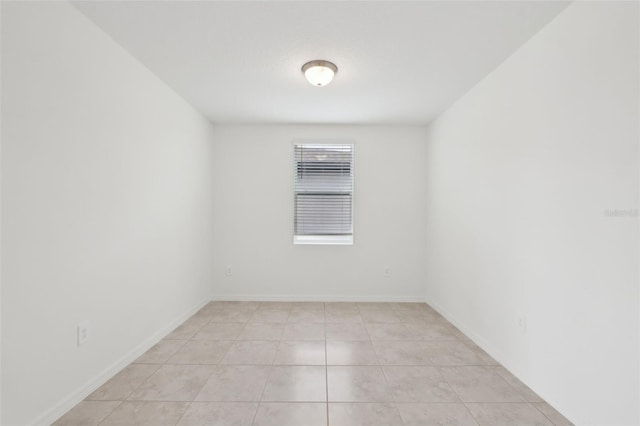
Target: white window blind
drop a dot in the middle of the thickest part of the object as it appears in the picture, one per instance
(323, 193)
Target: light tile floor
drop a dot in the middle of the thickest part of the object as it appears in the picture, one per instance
(307, 364)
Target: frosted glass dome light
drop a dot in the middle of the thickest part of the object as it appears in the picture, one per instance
(319, 73)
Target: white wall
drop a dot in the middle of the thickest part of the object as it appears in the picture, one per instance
(520, 173)
(253, 178)
(106, 208)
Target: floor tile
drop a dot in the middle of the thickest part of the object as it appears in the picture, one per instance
(262, 331)
(304, 331)
(270, 316)
(436, 415)
(370, 306)
(183, 332)
(486, 358)
(238, 305)
(507, 415)
(120, 386)
(291, 414)
(351, 353)
(457, 333)
(430, 331)
(220, 331)
(219, 414)
(552, 414)
(201, 352)
(340, 306)
(215, 305)
(160, 352)
(418, 384)
(251, 352)
(143, 413)
(408, 306)
(237, 383)
(401, 353)
(173, 383)
(383, 361)
(363, 414)
(523, 389)
(212, 307)
(187, 329)
(450, 353)
(382, 331)
(296, 383)
(343, 317)
(300, 352)
(417, 317)
(242, 315)
(479, 384)
(307, 306)
(379, 316)
(357, 384)
(306, 316)
(346, 331)
(277, 305)
(205, 312)
(87, 413)
(203, 316)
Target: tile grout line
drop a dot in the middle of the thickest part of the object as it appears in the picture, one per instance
(475, 419)
(457, 395)
(314, 401)
(208, 377)
(156, 370)
(542, 412)
(262, 395)
(467, 343)
(326, 365)
(384, 376)
(210, 374)
(186, 411)
(108, 414)
(269, 375)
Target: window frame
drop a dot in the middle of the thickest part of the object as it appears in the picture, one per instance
(339, 240)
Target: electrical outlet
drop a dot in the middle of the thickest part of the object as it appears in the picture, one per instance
(387, 271)
(84, 332)
(228, 271)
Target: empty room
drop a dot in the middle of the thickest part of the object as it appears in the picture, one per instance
(320, 213)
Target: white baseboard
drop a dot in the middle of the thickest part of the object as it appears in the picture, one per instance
(81, 393)
(313, 298)
(68, 402)
(469, 332)
(483, 343)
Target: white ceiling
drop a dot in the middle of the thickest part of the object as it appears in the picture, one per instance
(399, 62)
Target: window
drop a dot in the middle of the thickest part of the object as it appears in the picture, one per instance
(323, 193)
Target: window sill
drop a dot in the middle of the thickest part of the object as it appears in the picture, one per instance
(340, 240)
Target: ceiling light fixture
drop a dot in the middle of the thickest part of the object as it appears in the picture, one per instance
(319, 72)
